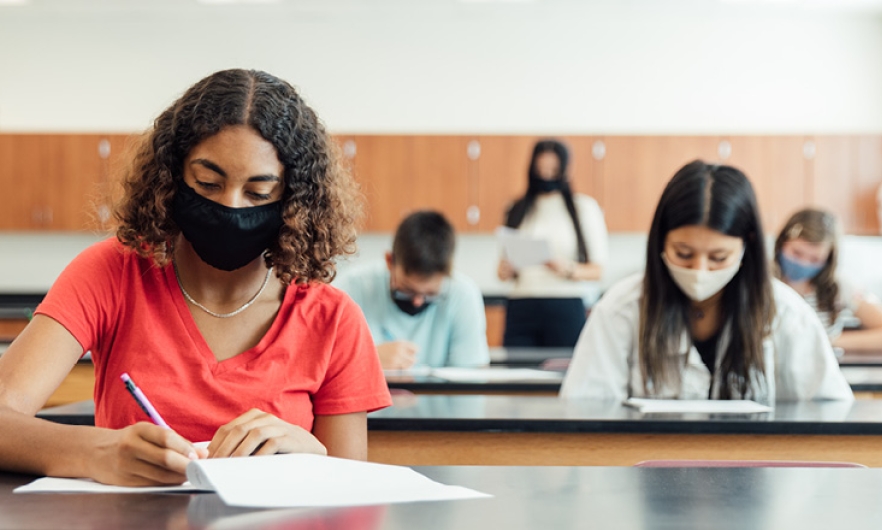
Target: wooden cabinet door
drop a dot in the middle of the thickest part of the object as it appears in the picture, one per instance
(846, 174)
(441, 177)
(778, 169)
(382, 166)
(501, 168)
(31, 162)
(53, 181)
(636, 169)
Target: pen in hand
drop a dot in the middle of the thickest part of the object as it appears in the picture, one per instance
(142, 400)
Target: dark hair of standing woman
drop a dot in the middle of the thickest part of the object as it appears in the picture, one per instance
(522, 206)
(722, 199)
(321, 204)
(815, 226)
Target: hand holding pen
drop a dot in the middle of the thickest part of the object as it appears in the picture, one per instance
(142, 454)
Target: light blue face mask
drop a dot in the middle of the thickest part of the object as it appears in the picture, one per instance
(797, 271)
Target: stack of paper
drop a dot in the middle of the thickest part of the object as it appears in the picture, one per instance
(292, 480)
(706, 406)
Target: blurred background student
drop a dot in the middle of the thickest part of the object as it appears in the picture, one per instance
(706, 320)
(546, 306)
(806, 258)
(418, 310)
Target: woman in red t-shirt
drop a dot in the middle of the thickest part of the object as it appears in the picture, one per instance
(213, 297)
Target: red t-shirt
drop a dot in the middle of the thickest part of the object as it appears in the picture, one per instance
(317, 357)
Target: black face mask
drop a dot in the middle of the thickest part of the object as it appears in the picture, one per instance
(408, 307)
(225, 238)
(547, 186)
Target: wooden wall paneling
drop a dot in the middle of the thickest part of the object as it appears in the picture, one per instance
(833, 178)
(636, 169)
(502, 176)
(869, 178)
(585, 171)
(78, 183)
(382, 165)
(110, 188)
(8, 184)
(778, 170)
(31, 162)
(440, 177)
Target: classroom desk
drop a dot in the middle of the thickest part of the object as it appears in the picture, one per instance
(428, 384)
(516, 430)
(553, 498)
(865, 358)
(527, 356)
(866, 380)
(863, 378)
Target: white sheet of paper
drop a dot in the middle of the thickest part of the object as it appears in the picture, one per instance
(294, 480)
(494, 374)
(84, 485)
(706, 406)
(301, 480)
(521, 250)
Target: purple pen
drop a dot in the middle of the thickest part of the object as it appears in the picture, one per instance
(143, 401)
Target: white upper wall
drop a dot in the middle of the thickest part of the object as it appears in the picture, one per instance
(444, 66)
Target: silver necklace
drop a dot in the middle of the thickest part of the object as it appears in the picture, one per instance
(222, 315)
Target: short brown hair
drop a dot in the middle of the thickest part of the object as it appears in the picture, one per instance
(321, 203)
(424, 244)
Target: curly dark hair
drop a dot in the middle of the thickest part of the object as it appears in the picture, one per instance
(322, 204)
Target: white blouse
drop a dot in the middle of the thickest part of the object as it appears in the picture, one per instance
(550, 220)
(799, 360)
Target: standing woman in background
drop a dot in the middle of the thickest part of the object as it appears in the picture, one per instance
(546, 306)
(806, 257)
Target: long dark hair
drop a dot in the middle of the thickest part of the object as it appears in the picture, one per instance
(321, 203)
(722, 199)
(815, 226)
(522, 206)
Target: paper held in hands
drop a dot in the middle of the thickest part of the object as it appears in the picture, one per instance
(522, 250)
(290, 481)
(705, 406)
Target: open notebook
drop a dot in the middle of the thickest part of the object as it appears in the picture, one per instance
(290, 480)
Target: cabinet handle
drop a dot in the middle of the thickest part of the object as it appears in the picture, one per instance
(473, 214)
(598, 150)
(724, 150)
(473, 150)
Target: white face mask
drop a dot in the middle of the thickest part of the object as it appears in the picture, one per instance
(699, 285)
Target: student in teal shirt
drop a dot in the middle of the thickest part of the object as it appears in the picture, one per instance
(419, 312)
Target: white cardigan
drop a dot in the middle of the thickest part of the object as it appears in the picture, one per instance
(800, 363)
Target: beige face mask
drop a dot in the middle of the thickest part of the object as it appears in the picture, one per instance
(699, 285)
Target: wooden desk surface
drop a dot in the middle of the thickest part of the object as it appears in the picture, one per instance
(553, 498)
(514, 430)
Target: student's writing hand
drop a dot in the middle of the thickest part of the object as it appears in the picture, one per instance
(142, 454)
(397, 355)
(505, 271)
(260, 433)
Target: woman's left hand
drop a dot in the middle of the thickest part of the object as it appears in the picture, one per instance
(259, 433)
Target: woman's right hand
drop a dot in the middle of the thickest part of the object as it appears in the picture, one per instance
(143, 454)
(505, 271)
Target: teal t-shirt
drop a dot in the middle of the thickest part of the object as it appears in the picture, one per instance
(452, 331)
